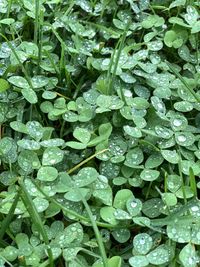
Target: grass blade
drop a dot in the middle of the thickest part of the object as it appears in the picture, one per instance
(121, 45)
(96, 231)
(8, 218)
(177, 74)
(193, 183)
(30, 206)
(19, 62)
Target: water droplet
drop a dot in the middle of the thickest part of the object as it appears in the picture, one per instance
(181, 138)
(134, 204)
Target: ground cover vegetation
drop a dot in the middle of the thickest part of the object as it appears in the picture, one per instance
(99, 133)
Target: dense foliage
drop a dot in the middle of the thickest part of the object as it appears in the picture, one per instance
(99, 133)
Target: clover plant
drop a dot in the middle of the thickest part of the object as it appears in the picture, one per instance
(99, 133)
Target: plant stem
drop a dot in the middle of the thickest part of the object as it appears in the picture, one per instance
(30, 206)
(86, 160)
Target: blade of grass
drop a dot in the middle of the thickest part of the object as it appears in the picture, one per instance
(177, 74)
(100, 27)
(6, 222)
(52, 62)
(19, 62)
(9, 8)
(40, 36)
(193, 183)
(30, 206)
(37, 21)
(109, 72)
(86, 160)
(165, 181)
(176, 214)
(119, 51)
(181, 175)
(96, 231)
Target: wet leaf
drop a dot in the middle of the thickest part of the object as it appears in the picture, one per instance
(159, 256)
(141, 261)
(4, 85)
(134, 206)
(29, 95)
(107, 214)
(52, 156)
(170, 155)
(85, 176)
(81, 134)
(47, 174)
(188, 256)
(149, 175)
(142, 243)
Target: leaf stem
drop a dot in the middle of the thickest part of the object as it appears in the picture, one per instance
(86, 160)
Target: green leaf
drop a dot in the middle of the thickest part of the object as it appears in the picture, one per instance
(159, 256)
(134, 206)
(81, 134)
(35, 130)
(140, 261)
(183, 106)
(179, 232)
(47, 174)
(109, 102)
(105, 131)
(154, 160)
(18, 126)
(149, 175)
(121, 215)
(10, 253)
(121, 198)
(107, 214)
(192, 15)
(188, 256)
(85, 177)
(152, 207)
(132, 131)
(52, 142)
(196, 27)
(152, 20)
(134, 157)
(28, 160)
(4, 85)
(76, 145)
(175, 38)
(104, 195)
(7, 21)
(184, 138)
(71, 253)
(170, 155)
(170, 199)
(179, 21)
(52, 156)
(74, 195)
(121, 235)
(178, 123)
(18, 81)
(41, 204)
(39, 81)
(177, 3)
(115, 261)
(29, 95)
(142, 243)
(28, 144)
(174, 182)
